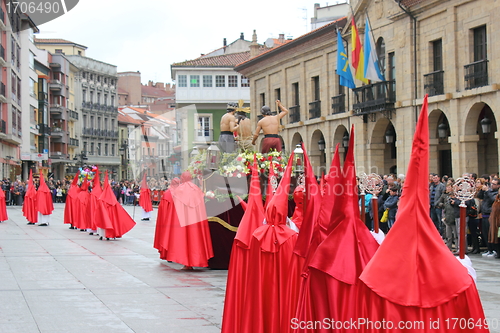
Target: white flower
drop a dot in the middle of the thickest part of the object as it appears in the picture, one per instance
(262, 165)
(239, 175)
(225, 167)
(239, 168)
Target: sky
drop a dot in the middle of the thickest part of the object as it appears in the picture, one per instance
(151, 35)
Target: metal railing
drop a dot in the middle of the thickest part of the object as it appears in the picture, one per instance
(73, 142)
(295, 114)
(314, 109)
(434, 83)
(476, 74)
(375, 97)
(73, 114)
(338, 104)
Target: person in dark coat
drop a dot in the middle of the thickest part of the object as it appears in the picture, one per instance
(392, 203)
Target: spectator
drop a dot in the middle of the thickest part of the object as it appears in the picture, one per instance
(391, 203)
(444, 203)
(436, 189)
(488, 195)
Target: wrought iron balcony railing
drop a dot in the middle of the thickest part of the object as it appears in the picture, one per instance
(434, 83)
(476, 74)
(295, 114)
(338, 104)
(376, 97)
(314, 109)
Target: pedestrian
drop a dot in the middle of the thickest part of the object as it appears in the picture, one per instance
(488, 195)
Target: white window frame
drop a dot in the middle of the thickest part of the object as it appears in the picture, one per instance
(203, 138)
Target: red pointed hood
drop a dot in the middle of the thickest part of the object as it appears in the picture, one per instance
(423, 271)
(145, 198)
(96, 185)
(275, 232)
(107, 194)
(269, 191)
(74, 189)
(44, 198)
(313, 202)
(332, 194)
(254, 214)
(31, 192)
(350, 246)
(85, 184)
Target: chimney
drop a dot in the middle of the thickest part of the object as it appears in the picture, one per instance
(242, 36)
(160, 85)
(150, 83)
(281, 38)
(254, 47)
(224, 43)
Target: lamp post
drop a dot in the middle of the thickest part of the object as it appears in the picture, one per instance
(442, 130)
(389, 135)
(213, 156)
(322, 147)
(345, 140)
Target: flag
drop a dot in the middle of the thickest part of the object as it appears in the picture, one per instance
(358, 59)
(372, 68)
(343, 66)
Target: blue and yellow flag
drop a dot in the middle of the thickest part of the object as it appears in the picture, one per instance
(343, 66)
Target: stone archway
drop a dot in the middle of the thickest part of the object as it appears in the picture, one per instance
(440, 155)
(480, 149)
(296, 139)
(382, 154)
(338, 137)
(317, 157)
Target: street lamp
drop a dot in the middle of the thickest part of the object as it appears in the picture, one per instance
(389, 135)
(486, 125)
(321, 144)
(345, 140)
(442, 130)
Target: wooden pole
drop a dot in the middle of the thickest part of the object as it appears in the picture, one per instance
(462, 230)
(375, 213)
(363, 207)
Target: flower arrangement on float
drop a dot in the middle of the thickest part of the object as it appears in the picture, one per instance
(87, 171)
(238, 165)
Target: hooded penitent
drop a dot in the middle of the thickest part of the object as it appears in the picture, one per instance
(29, 205)
(44, 202)
(145, 197)
(413, 276)
(69, 207)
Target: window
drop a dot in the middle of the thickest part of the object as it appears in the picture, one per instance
(79, 53)
(105, 101)
(98, 98)
(112, 149)
(112, 100)
(480, 44)
(91, 97)
(295, 93)
(84, 95)
(203, 130)
(19, 124)
(99, 149)
(106, 124)
(207, 81)
(392, 74)
(437, 55)
(91, 121)
(112, 124)
(91, 148)
(59, 51)
(32, 60)
(262, 99)
(105, 149)
(277, 94)
(245, 82)
(98, 123)
(32, 88)
(84, 121)
(381, 54)
(182, 81)
(85, 147)
(220, 81)
(315, 88)
(194, 81)
(232, 81)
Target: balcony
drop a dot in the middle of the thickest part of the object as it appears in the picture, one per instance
(373, 98)
(73, 115)
(338, 104)
(57, 111)
(57, 155)
(44, 129)
(314, 109)
(295, 114)
(56, 87)
(2, 56)
(74, 142)
(476, 74)
(87, 105)
(3, 96)
(203, 135)
(434, 83)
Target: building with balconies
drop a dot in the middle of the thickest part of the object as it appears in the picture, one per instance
(412, 38)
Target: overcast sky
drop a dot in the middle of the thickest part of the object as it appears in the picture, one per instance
(151, 35)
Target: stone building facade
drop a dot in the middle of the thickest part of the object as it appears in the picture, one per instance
(443, 48)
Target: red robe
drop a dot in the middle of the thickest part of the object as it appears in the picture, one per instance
(83, 211)
(44, 202)
(186, 239)
(112, 213)
(166, 211)
(3, 207)
(94, 197)
(413, 276)
(29, 205)
(235, 307)
(145, 197)
(69, 207)
(270, 258)
(298, 213)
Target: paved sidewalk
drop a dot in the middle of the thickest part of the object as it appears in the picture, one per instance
(53, 279)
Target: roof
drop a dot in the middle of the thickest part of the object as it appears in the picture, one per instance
(153, 91)
(291, 43)
(122, 91)
(57, 41)
(226, 60)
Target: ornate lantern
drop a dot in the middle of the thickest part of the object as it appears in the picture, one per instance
(299, 158)
(213, 156)
(194, 152)
(486, 125)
